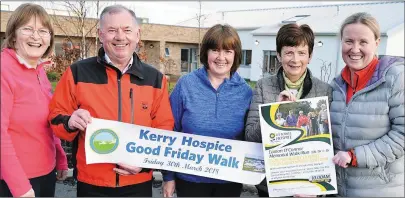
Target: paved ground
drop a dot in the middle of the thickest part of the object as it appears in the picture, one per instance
(68, 188)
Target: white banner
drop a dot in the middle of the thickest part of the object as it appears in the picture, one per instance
(116, 142)
(298, 147)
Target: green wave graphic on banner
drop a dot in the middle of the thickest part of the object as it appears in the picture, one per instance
(324, 186)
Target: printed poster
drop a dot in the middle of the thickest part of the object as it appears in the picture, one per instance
(298, 147)
(116, 142)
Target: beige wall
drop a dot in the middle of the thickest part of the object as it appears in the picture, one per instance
(172, 63)
(161, 36)
(152, 54)
(175, 55)
(170, 33)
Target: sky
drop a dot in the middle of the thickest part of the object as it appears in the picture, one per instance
(174, 12)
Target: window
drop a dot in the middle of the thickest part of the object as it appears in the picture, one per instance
(184, 58)
(188, 60)
(246, 57)
(270, 62)
(167, 52)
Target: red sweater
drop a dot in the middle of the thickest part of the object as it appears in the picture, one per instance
(28, 147)
(302, 120)
(360, 78)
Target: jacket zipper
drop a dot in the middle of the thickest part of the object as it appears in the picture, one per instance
(117, 178)
(131, 97)
(216, 104)
(39, 79)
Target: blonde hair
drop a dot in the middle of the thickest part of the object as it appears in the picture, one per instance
(362, 18)
(22, 16)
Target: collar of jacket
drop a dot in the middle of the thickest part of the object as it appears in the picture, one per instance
(384, 63)
(307, 86)
(234, 79)
(22, 63)
(136, 69)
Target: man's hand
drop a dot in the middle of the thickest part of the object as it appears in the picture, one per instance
(79, 120)
(30, 193)
(342, 159)
(168, 188)
(61, 174)
(286, 96)
(125, 169)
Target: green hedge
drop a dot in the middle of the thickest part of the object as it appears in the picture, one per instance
(53, 76)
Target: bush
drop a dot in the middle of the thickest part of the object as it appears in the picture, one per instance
(53, 76)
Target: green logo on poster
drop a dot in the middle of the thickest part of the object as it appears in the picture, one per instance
(104, 141)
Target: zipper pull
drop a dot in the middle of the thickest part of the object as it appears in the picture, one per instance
(130, 93)
(132, 104)
(39, 79)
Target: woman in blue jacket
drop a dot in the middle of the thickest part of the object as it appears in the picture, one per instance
(210, 101)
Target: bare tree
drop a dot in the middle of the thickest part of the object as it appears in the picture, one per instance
(97, 12)
(76, 24)
(200, 18)
(326, 70)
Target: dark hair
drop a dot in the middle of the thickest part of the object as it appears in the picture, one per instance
(221, 37)
(20, 17)
(113, 9)
(295, 35)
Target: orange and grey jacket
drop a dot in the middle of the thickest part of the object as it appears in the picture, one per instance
(139, 96)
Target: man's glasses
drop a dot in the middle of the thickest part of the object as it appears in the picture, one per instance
(27, 31)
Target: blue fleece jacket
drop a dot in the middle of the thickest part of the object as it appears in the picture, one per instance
(200, 109)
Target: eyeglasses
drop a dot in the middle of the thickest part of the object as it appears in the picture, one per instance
(27, 31)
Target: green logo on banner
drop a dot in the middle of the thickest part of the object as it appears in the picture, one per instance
(104, 141)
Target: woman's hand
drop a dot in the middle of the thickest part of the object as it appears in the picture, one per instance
(30, 193)
(61, 174)
(286, 96)
(168, 188)
(342, 159)
(125, 169)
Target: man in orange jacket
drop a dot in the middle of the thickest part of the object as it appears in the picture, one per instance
(115, 85)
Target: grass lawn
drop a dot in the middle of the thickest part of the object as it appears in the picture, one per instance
(103, 147)
(53, 85)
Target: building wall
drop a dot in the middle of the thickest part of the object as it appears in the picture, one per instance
(244, 71)
(175, 55)
(170, 33)
(247, 42)
(395, 42)
(171, 64)
(325, 55)
(329, 53)
(324, 59)
(152, 53)
(265, 43)
(161, 36)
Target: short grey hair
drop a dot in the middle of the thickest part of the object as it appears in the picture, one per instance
(362, 18)
(113, 9)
